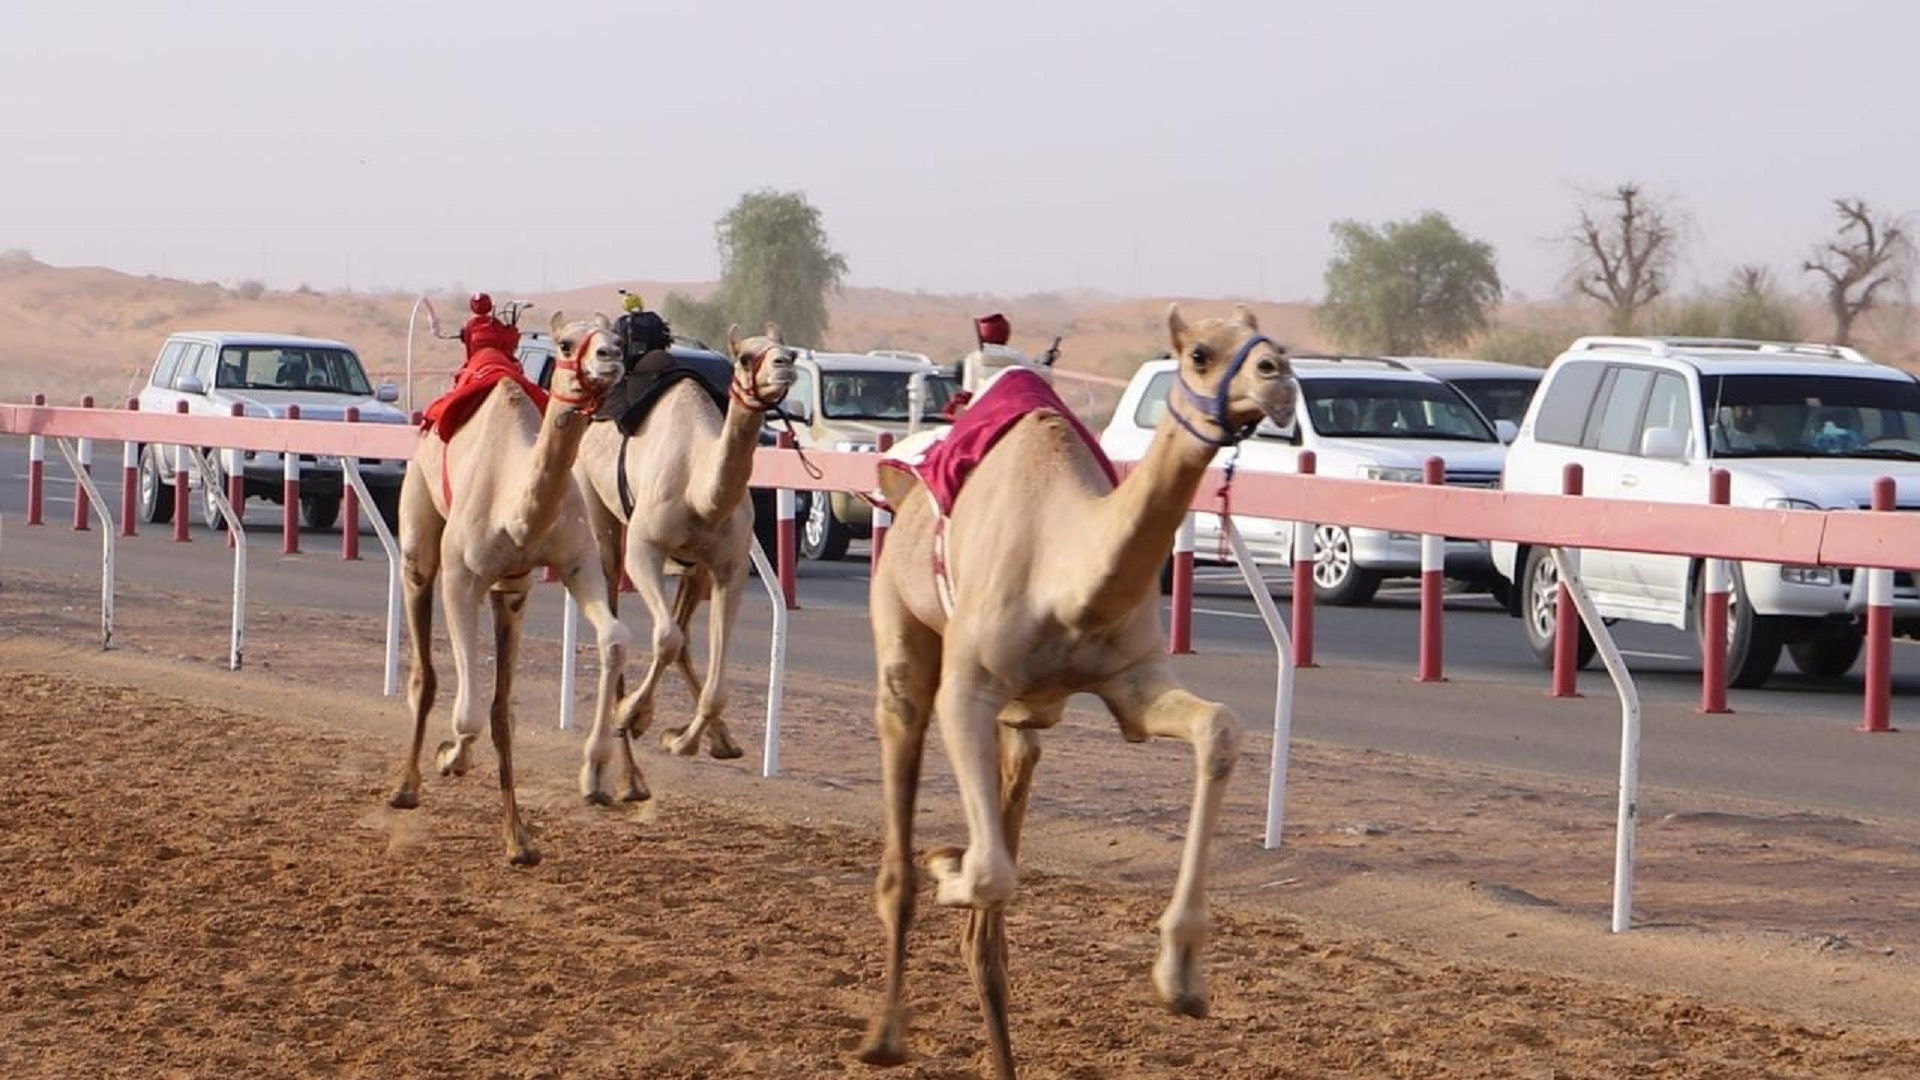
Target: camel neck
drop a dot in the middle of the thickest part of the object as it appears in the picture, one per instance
(1139, 519)
(726, 465)
(555, 447)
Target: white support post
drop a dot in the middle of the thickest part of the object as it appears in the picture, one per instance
(1627, 817)
(236, 646)
(777, 662)
(569, 661)
(350, 470)
(1283, 685)
(108, 542)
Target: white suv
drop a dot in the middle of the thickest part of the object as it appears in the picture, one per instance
(1361, 416)
(1796, 426)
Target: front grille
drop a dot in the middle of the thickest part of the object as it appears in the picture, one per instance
(1474, 479)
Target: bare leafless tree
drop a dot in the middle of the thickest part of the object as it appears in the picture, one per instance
(1623, 252)
(1749, 280)
(1868, 253)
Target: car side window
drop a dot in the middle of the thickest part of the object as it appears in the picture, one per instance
(169, 363)
(1563, 412)
(1615, 426)
(190, 361)
(1153, 401)
(1666, 406)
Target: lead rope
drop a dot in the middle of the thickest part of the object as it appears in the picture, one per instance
(1225, 495)
(806, 463)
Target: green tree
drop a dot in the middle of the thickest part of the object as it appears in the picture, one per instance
(1407, 288)
(775, 265)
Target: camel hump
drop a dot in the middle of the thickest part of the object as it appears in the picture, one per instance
(896, 484)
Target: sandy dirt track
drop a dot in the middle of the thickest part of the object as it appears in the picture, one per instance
(203, 880)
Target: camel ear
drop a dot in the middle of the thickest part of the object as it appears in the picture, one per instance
(602, 321)
(1243, 315)
(773, 331)
(554, 324)
(733, 341)
(1176, 330)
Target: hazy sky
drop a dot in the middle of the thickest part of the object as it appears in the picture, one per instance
(1155, 149)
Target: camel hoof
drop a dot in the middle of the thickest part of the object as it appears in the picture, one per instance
(675, 741)
(598, 798)
(451, 760)
(1178, 985)
(1187, 1004)
(637, 793)
(526, 856)
(886, 1043)
(726, 751)
(404, 799)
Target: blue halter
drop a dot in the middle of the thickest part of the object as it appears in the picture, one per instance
(1214, 406)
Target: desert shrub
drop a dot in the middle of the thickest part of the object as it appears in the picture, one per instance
(250, 289)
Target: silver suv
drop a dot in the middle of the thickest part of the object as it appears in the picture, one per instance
(265, 374)
(1796, 426)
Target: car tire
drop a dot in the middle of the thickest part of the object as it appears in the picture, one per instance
(1829, 655)
(210, 514)
(822, 536)
(156, 495)
(1753, 641)
(319, 511)
(1499, 588)
(1336, 580)
(1539, 595)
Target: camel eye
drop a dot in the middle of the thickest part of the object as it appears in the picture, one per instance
(1200, 355)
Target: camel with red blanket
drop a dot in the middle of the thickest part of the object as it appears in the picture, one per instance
(1018, 573)
(488, 498)
(675, 492)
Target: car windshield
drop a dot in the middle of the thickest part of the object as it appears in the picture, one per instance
(1392, 409)
(1812, 416)
(312, 369)
(881, 395)
(1499, 399)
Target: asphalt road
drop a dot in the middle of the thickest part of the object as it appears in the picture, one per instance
(1791, 741)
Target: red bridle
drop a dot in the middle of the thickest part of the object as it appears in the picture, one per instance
(571, 362)
(750, 398)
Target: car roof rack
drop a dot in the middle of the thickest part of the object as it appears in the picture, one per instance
(1386, 361)
(1665, 346)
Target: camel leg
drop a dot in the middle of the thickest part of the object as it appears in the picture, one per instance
(968, 706)
(984, 944)
(647, 566)
(721, 616)
(1147, 701)
(909, 667)
(461, 593)
(421, 528)
(509, 608)
(586, 583)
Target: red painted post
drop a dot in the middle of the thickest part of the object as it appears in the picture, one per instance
(182, 487)
(1433, 567)
(1180, 628)
(36, 470)
(784, 552)
(236, 468)
(82, 505)
(1566, 618)
(129, 477)
(290, 495)
(1303, 579)
(882, 518)
(349, 506)
(1876, 711)
(1713, 611)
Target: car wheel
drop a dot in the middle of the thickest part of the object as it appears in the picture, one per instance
(156, 497)
(1829, 655)
(319, 511)
(210, 514)
(1539, 605)
(1500, 589)
(1753, 641)
(822, 536)
(1336, 580)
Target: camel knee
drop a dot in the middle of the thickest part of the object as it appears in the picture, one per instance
(614, 638)
(1218, 744)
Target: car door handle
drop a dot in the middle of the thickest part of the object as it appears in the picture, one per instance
(1629, 480)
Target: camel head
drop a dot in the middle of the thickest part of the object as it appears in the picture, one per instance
(762, 368)
(1231, 376)
(590, 357)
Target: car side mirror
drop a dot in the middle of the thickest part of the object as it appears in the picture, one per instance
(190, 384)
(1505, 430)
(387, 392)
(1665, 443)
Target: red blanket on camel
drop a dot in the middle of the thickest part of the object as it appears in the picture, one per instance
(1013, 395)
(471, 385)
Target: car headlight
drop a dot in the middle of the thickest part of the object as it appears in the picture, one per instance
(854, 447)
(1808, 575)
(1790, 504)
(1394, 473)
